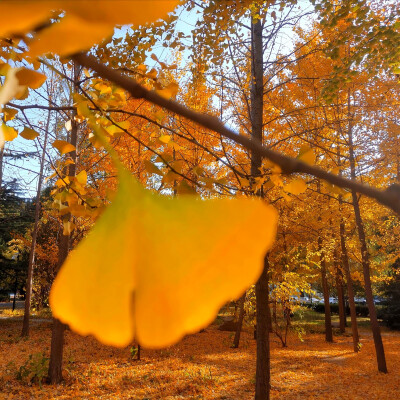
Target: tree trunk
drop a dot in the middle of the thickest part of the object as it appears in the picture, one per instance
(57, 334)
(350, 291)
(380, 352)
(236, 340)
(31, 262)
(325, 291)
(1, 167)
(262, 289)
(57, 338)
(15, 289)
(263, 350)
(340, 293)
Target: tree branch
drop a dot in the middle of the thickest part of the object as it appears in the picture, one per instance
(389, 197)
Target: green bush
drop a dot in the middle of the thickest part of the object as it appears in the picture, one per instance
(361, 310)
(34, 370)
(391, 311)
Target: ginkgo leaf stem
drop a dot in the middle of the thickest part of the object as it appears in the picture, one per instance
(289, 165)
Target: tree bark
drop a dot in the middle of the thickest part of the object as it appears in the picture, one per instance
(340, 293)
(1, 167)
(263, 349)
(325, 291)
(379, 349)
(350, 291)
(57, 338)
(31, 262)
(236, 340)
(262, 289)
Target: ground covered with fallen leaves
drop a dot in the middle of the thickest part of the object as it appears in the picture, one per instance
(201, 366)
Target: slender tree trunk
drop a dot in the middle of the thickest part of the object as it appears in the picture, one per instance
(325, 291)
(1, 167)
(340, 293)
(380, 352)
(350, 290)
(262, 289)
(263, 349)
(57, 338)
(15, 289)
(31, 262)
(376, 331)
(57, 334)
(236, 340)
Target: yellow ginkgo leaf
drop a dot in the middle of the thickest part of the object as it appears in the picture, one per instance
(82, 178)
(63, 146)
(19, 17)
(9, 114)
(169, 91)
(85, 22)
(307, 155)
(138, 12)
(68, 125)
(172, 263)
(29, 134)
(151, 168)
(30, 78)
(8, 133)
(69, 36)
(296, 186)
(164, 138)
(11, 88)
(68, 227)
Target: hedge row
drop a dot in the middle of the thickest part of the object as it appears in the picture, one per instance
(361, 310)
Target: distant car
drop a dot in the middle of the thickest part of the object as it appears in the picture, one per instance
(332, 300)
(360, 300)
(378, 300)
(304, 299)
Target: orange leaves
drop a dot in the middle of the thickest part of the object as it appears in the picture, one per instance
(84, 24)
(30, 78)
(175, 262)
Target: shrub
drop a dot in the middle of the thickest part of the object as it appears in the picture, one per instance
(34, 370)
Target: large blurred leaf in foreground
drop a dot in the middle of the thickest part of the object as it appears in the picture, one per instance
(158, 268)
(85, 22)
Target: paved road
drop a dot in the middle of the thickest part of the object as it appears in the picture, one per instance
(8, 305)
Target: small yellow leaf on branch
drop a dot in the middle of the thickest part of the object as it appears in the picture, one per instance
(296, 186)
(9, 114)
(151, 168)
(63, 146)
(29, 134)
(306, 154)
(30, 78)
(82, 178)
